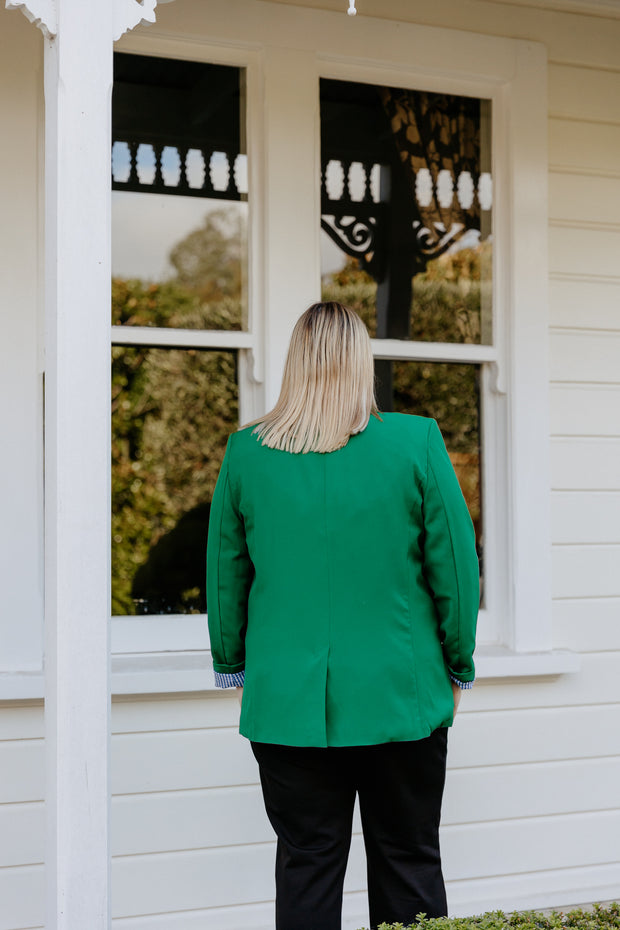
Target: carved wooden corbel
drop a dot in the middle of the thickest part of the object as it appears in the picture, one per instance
(130, 13)
(42, 13)
(127, 14)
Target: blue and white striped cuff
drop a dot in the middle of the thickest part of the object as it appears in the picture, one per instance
(229, 679)
(237, 680)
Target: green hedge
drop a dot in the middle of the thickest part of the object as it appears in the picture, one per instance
(597, 918)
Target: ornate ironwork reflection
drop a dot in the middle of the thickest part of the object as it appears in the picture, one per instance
(161, 181)
(358, 237)
(433, 243)
(355, 236)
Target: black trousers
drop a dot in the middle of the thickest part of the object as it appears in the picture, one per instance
(309, 796)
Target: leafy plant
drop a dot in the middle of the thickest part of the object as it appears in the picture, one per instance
(598, 918)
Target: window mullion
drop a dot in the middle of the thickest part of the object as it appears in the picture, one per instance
(433, 351)
(158, 337)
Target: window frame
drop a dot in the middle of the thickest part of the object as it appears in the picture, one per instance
(491, 357)
(137, 642)
(512, 73)
(516, 619)
(285, 49)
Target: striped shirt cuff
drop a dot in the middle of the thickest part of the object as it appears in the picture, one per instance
(237, 679)
(229, 679)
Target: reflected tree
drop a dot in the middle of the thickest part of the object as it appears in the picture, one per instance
(172, 412)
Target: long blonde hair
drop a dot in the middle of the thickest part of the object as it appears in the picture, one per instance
(327, 392)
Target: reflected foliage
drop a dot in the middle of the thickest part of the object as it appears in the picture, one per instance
(446, 308)
(172, 412)
(450, 394)
(208, 288)
(447, 296)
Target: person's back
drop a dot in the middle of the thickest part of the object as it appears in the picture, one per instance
(342, 595)
(339, 592)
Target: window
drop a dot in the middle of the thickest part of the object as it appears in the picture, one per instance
(180, 320)
(489, 346)
(222, 114)
(406, 218)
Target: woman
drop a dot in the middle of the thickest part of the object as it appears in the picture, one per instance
(343, 593)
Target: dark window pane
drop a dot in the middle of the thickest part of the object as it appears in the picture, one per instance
(179, 199)
(406, 210)
(450, 393)
(172, 412)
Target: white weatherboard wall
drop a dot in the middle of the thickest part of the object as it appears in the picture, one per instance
(532, 809)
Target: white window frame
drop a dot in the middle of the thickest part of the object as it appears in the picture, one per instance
(285, 50)
(292, 49)
(515, 627)
(491, 358)
(165, 652)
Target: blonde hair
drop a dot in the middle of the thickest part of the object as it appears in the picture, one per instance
(327, 391)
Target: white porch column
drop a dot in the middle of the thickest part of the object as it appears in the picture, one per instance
(78, 81)
(79, 39)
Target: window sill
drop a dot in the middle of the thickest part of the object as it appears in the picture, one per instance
(500, 662)
(140, 673)
(177, 672)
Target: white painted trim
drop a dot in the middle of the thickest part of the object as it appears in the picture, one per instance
(42, 13)
(170, 671)
(151, 634)
(605, 8)
(433, 351)
(292, 200)
(510, 72)
(78, 82)
(192, 671)
(500, 662)
(440, 54)
(528, 347)
(181, 338)
(130, 13)
(163, 673)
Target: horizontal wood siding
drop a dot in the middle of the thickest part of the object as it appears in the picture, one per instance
(585, 409)
(584, 248)
(21, 817)
(532, 805)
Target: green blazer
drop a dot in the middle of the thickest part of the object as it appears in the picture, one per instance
(345, 584)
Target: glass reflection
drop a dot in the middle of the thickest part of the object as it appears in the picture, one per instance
(406, 203)
(450, 393)
(172, 412)
(180, 190)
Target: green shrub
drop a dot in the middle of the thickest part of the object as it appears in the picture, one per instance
(598, 918)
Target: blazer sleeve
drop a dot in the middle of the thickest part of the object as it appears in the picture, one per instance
(229, 575)
(450, 559)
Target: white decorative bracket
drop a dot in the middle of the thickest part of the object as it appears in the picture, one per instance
(42, 13)
(130, 13)
(127, 14)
